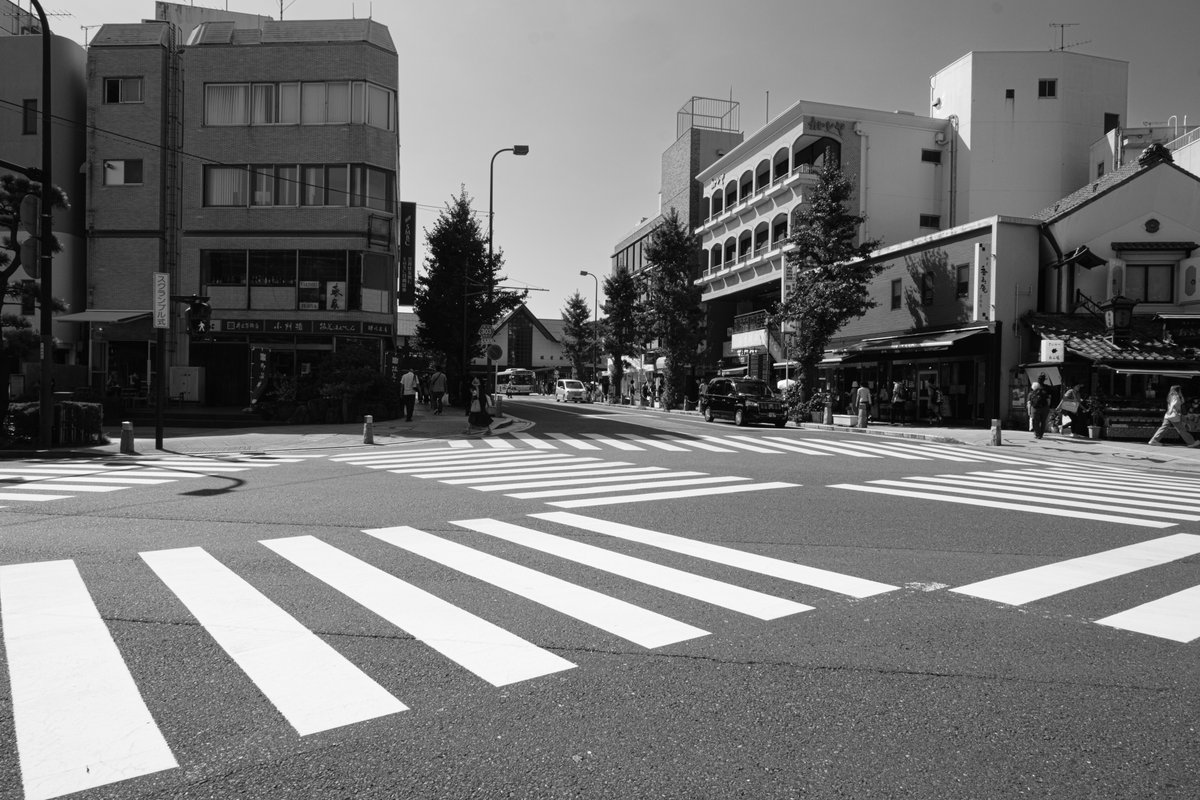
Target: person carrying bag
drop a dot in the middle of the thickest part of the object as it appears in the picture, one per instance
(1069, 406)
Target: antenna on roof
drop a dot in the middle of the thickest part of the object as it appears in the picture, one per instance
(1062, 32)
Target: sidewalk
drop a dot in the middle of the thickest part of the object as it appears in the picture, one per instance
(452, 424)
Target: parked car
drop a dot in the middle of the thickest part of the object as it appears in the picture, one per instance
(746, 401)
(567, 389)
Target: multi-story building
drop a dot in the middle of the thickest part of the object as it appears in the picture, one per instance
(21, 45)
(254, 163)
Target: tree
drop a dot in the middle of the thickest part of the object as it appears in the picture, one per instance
(674, 314)
(624, 328)
(578, 334)
(832, 275)
(12, 191)
(457, 276)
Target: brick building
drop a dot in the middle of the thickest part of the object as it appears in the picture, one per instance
(254, 162)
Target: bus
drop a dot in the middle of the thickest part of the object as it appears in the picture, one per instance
(516, 381)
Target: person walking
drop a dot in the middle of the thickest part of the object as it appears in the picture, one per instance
(408, 393)
(1039, 406)
(437, 389)
(899, 396)
(863, 402)
(1071, 408)
(1174, 419)
(477, 408)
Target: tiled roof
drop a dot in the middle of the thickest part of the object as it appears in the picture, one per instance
(132, 34)
(297, 32)
(1085, 335)
(1102, 185)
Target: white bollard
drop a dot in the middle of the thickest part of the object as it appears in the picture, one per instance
(996, 432)
(368, 429)
(127, 438)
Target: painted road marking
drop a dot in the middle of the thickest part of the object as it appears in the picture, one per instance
(1175, 617)
(80, 720)
(673, 495)
(633, 623)
(485, 649)
(312, 685)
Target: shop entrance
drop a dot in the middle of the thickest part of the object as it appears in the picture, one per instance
(226, 380)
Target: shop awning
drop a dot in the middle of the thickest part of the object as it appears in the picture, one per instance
(1164, 371)
(1081, 256)
(919, 342)
(111, 316)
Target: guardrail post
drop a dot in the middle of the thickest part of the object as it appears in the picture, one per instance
(127, 438)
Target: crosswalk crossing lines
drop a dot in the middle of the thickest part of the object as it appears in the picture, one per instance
(805, 444)
(81, 722)
(1175, 617)
(1102, 494)
(39, 481)
(561, 479)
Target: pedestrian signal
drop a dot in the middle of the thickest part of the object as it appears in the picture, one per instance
(199, 318)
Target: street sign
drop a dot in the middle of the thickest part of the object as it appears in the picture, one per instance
(486, 332)
(162, 300)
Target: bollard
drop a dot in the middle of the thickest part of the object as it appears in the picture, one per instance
(368, 429)
(127, 438)
(499, 406)
(996, 432)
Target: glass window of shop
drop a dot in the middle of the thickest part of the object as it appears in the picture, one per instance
(272, 267)
(323, 282)
(223, 267)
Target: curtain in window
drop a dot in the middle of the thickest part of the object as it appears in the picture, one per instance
(225, 186)
(225, 104)
(335, 182)
(314, 186)
(264, 186)
(312, 104)
(287, 186)
(337, 102)
(262, 104)
(289, 103)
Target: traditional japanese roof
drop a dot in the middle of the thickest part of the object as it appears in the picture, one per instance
(1085, 335)
(1152, 159)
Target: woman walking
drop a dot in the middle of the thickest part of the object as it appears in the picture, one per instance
(1174, 419)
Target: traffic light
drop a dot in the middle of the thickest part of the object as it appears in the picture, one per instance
(199, 318)
(28, 236)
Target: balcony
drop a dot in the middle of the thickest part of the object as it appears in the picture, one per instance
(802, 175)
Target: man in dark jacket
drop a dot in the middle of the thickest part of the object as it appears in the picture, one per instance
(1039, 407)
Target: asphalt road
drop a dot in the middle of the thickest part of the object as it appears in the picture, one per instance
(335, 623)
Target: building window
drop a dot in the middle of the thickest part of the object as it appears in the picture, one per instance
(927, 289)
(1100, 169)
(308, 103)
(29, 117)
(122, 90)
(931, 156)
(123, 173)
(1150, 283)
(1048, 87)
(226, 104)
(323, 284)
(896, 294)
(962, 280)
(225, 186)
(371, 187)
(223, 267)
(1010, 94)
(273, 268)
(287, 185)
(930, 221)
(1111, 121)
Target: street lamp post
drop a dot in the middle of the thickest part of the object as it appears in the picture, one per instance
(516, 150)
(595, 326)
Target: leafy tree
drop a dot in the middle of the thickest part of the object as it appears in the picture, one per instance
(832, 275)
(674, 314)
(578, 334)
(623, 313)
(12, 191)
(457, 276)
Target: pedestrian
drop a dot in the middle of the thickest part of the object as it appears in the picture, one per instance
(408, 393)
(1039, 405)
(943, 404)
(1070, 406)
(899, 396)
(477, 408)
(1174, 419)
(437, 389)
(863, 401)
(935, 405)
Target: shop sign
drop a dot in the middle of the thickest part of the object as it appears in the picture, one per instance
(287, 326)
(301, 326)
(377, 328)
(323, 326)
(829, 125)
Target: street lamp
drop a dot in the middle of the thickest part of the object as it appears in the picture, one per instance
(516, 150)
(595, 325)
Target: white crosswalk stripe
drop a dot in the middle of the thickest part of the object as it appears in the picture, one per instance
(1081, 492)
(43, 480)
(539, 474)
(1175, 617)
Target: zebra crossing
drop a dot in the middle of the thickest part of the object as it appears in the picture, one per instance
(44, 480)
(81, 721)
(796, 443)
(1175, 617)
(1091, 492)
(560, 479)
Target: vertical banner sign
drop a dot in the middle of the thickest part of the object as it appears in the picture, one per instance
(162, 300)
(407, 274)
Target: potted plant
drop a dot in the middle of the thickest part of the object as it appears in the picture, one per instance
(1095, 410)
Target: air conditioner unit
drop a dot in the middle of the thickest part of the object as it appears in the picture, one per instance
(939, 138)
(1053, 350)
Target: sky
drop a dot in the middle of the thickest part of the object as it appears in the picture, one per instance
(593, 87)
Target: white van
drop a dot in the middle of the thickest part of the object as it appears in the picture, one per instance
(568, 389)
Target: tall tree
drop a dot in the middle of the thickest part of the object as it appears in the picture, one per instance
(578, 333)
(674, 313)
(832, 271)
(623, 329)
(12, 191)
(457, 293)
